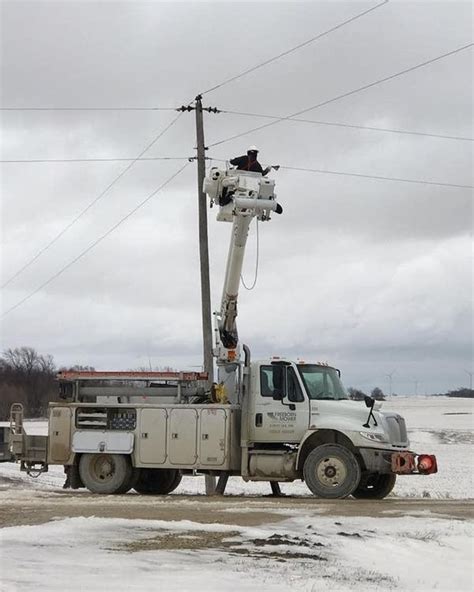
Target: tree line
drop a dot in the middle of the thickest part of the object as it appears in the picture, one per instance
(29, 378)
(378, 395)
(464, 393)
(358, 395)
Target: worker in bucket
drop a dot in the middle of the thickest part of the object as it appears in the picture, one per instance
(250, 162)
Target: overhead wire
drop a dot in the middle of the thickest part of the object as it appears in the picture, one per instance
(293, 49)
(95, 243)
(378, 177)
(46, 160)
(91, 204)
(274, 121)
(367, 176)
(353, 126)
(346, 94)
(87, 109)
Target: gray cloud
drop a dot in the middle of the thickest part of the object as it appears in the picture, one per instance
(368, 273)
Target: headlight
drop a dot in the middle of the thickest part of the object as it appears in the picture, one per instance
(374, 437)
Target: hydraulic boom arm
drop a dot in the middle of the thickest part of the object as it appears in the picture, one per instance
(241, 196)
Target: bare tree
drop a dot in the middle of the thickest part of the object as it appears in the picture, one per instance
(27, 360)
(377, 394)
(26, 377)
(77, 368)
(356, 394)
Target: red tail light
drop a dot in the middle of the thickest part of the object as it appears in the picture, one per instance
(427, 464)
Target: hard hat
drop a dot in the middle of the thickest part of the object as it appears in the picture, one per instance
(252, 149)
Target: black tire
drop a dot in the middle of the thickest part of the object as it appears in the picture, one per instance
(331, 471)
(106, 473)
(131, 482)
(375, 486)
(157, 481)
(176, 481)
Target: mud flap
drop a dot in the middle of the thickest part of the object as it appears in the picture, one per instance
(73, 479)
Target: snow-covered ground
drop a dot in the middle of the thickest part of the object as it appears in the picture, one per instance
(306, 552)
(443, 426)
(300, 554)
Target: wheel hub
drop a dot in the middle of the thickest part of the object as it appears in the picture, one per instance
(331, 472)
(104, 468)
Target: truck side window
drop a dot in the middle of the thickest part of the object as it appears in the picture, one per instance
(295, 395)
(266, 381)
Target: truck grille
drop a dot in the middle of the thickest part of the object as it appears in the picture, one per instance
(397, 430)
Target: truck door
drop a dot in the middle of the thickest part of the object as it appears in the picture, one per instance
(281, 409)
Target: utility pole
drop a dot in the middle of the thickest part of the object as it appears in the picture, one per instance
(208, 360)
(204, 246)
(204, 254)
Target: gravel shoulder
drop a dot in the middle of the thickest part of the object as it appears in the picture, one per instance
(231, 510)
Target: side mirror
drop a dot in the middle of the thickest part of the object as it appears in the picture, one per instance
(278, 395)
(369, 402)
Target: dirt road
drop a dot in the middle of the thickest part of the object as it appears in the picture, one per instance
(233, 510)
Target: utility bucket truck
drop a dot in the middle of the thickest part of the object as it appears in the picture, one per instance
(270, 420)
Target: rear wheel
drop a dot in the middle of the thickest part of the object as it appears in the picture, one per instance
(131, 482)
(331, 471)
(106, 473)
(157, 481)
(375, 486)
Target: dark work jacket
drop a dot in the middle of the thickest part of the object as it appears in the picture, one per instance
(243, 163)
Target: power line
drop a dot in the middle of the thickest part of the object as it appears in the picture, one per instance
(364, 176)
(87, 109)
(349, 125)
(263, 116)
(291, 50)
(347, 94)
(378, 177)
(95, 243)
(46, 160)
(92, 203)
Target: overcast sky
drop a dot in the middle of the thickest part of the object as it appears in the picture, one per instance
(373, 276)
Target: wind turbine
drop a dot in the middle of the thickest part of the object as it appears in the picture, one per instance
(389, 376)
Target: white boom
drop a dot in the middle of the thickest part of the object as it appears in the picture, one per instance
(241, 196)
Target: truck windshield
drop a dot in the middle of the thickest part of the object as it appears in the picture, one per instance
(322, 382)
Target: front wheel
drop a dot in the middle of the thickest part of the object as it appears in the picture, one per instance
(106, 473)
(331, 471)
(375, 486)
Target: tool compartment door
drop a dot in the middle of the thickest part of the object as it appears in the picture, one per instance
(60, 419)
(152, 436)
(182, 437)
(213, 446)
